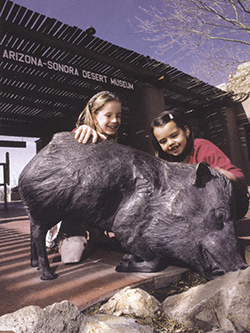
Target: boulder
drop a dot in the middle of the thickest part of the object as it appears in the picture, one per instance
(25, 320)
(59, 317)
(62, 317)
(103, 323)
(135, 302)
(223, 303)
(220, 331)
(65, 317)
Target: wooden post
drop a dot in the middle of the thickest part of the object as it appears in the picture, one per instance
(6, 178)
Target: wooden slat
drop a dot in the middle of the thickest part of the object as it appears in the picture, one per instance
(6, 5)
(2, 4)
(47, 25)
(13, 12)
(27, 16)
(38, 23)
(20, 15)
(32, 20)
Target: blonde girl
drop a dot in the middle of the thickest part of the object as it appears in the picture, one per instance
(100, 118)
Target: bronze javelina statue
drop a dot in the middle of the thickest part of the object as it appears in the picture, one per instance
(157, 210)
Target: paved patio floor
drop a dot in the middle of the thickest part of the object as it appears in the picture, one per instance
(84, 283)
(93, 279)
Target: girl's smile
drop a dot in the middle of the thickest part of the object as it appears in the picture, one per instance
(108, 119)
(171, 138)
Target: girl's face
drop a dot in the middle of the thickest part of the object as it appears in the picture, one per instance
(171, 138)
(108, 118)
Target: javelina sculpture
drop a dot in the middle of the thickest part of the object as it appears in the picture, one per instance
(157, 210)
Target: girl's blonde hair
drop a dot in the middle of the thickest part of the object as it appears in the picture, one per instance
(95, 104)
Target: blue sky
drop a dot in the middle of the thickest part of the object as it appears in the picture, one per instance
(110, 18)
(114, 21)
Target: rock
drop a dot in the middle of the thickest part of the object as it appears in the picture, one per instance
(220, 331)
(67, 318)
(223, 303)
(62, 317)
(25, 320)
(103, 323)
(59, 317)
(135, 302)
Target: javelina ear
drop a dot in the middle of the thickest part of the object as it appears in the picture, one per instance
(203, 175)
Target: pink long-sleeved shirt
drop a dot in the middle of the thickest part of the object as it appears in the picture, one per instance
(206, 151)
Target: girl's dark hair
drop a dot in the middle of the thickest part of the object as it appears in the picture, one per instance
(161, 120)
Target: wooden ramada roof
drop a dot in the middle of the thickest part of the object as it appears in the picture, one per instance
(40, 62)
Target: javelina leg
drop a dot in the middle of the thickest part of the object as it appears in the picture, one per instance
(38, 251)
(33, 251)
(130, 226)
(133, 263)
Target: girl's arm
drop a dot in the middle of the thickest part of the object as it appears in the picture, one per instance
(230, 175)
(209, 153)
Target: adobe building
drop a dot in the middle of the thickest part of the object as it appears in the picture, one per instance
(49, 70)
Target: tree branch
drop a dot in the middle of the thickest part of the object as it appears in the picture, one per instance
(243, 7)
(207, 29)
(219, 38)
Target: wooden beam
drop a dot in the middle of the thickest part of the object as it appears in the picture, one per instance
(13, 144)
